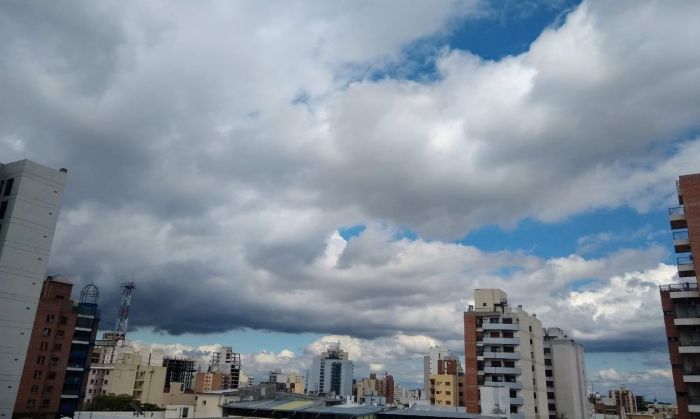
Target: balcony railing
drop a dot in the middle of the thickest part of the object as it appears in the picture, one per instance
(684, 260)
(695, 341)
(679, 210)
(693, 400)
(681, 235)
(686, 286)
(677, 218)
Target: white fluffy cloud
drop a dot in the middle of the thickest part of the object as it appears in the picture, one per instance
(213, 152)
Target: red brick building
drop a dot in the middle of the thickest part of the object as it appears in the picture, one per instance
(53, 378)
(680, 302)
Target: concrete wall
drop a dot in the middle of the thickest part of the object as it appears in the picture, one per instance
(26, 233)
(117, 415)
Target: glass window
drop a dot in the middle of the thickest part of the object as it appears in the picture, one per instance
(49, 318)
(46, 331)
(3, 209)
(8, 186)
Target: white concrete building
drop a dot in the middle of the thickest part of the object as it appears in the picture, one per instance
(30, 200)
(331, 372)
(504, 356)
(565, 371)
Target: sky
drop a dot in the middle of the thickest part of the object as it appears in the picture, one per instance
(274, 176)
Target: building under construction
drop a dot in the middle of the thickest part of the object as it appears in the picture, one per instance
(179, 370)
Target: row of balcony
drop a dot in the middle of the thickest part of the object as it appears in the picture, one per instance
(681, 241)
(499, 341)
(500, 326)
(515, 385)
(501, 355)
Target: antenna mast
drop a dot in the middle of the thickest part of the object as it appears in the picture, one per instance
(123, 316)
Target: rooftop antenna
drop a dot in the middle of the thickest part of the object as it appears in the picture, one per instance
(123, 316)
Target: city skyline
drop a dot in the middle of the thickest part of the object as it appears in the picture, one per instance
(276, 177)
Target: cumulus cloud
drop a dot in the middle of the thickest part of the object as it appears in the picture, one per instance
(213, 152)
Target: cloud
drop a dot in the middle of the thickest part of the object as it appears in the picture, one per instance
(213, 152)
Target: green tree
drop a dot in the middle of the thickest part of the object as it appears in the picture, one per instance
(119, 403)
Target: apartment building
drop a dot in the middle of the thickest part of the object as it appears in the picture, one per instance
(680, 302)
(624, 398)
(447, 384)
(565, 372)
(504, 358)
(55, 371)
(295, 383)
(228, 364)
(430, 363)
(30, 199)
(331, 372)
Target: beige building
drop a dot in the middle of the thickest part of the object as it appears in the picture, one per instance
(445, 390)
(295, 383)
(504, 359)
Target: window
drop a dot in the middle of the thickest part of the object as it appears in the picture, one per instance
(60, 332)
(45, 403)
(548, 362)
(530, 327)
(548, 350)
(48, 389)
(92, 381)
(34, 389)
(31, 403)
(90, 391)
(3, 209)
(107, 372)
(46, 331)
(63, 320)
(40, 360)
(49, 318)
(37, 374)
(57, 347)
(54, 361)
(43, 346)
(106, 382)
(51, 375)
(8, 186)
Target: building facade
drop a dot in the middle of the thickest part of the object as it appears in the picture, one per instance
(430, 363)
(58, 358)
(181, 370)
(680, 302)
(30, 199)
(504, 359)
(447, 384)
(331, 372)
(227, 363)
(565, 372)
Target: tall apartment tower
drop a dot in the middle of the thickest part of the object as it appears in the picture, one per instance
(680, 302)
(228, 364)
(30, 199)
(504, 359)
(331, 373)
(55, 372)
(565, 372)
